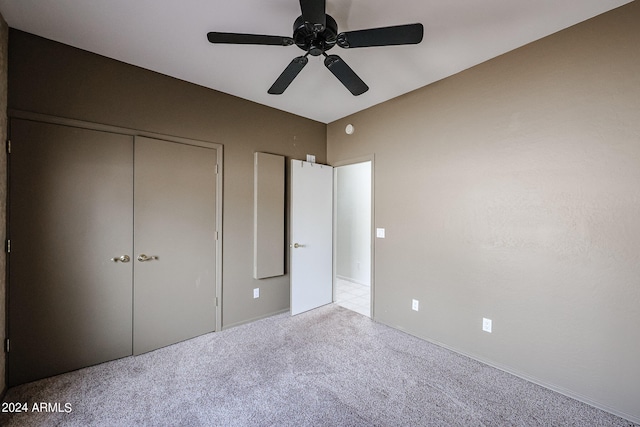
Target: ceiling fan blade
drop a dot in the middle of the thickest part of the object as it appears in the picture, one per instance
(287, 76)
(345, 74)
(313, 12)
(234, 38)
(385, 36)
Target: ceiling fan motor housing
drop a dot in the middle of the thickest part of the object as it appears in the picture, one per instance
(307, 37)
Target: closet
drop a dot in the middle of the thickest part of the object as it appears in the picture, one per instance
(114, 246)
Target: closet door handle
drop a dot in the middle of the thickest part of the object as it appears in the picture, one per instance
(123, 258)
(143, 258)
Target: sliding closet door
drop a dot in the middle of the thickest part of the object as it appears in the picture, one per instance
(175, 243)
(70, 214)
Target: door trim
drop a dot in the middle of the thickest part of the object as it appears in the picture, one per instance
(44, 118)
(348, 162)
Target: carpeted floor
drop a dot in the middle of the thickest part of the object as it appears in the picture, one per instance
(327, 367)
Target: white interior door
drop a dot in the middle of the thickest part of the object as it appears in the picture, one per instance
(311, 236)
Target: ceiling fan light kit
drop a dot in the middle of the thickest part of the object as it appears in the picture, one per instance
(315, 32)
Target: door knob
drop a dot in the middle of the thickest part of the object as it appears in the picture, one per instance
(123, 258)
(298, 245)
(143, 258)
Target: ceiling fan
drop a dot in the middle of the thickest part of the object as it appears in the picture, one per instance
(315, 32)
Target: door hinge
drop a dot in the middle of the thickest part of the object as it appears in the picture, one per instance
(8, 246)
(217, 236)
(9, 146)
(6, 345)
(216, 301)
(217, 169)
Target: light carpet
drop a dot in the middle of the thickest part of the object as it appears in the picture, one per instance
(326, 367)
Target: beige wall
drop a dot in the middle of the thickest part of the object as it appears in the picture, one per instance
(54, 79)
(512, 191)
(4, 44)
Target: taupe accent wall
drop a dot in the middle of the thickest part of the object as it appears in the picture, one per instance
(4, 44)
(58, 80)
(512, 191)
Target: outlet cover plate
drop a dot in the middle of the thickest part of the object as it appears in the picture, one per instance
(486, 324)
(256, 293)
(415, 305)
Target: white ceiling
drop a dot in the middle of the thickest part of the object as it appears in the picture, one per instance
(169, 36)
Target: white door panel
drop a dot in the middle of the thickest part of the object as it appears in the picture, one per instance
(311, 236)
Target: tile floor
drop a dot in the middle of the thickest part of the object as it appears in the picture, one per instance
(353, 296)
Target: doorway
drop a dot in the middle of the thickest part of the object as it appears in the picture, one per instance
(353, 237)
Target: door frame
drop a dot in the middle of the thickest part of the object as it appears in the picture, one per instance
(336, 165)
(19, 114)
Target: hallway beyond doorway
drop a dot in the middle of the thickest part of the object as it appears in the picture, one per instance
(353, 296)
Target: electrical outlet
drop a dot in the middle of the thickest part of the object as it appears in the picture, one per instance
(415, 305)
(486, 324)
(256, 293)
